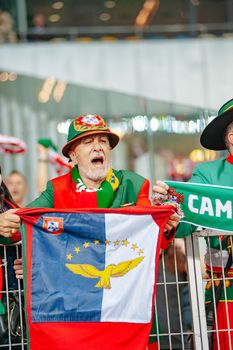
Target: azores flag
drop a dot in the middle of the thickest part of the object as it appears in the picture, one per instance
(90, 276)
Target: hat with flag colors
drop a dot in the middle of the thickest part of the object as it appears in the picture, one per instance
(87, 125)
(213, 136)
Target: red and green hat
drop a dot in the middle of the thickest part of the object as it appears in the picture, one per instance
(87, 125)
(213, 135)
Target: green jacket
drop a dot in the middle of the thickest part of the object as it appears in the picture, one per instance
(133, 190)
(218, 172)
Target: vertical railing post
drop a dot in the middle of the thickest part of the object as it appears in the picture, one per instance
(200, 338)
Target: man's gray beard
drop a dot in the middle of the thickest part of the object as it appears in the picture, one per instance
(100, 174)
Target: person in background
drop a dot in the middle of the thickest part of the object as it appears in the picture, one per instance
(10, 283)
(42, 167)
(217, 136)
(17, 185)
(7, 33)
(92, 183)
(48, 157)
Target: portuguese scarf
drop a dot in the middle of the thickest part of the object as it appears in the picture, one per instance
(102, 197)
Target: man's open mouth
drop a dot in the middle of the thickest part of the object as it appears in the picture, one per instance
(98, 160)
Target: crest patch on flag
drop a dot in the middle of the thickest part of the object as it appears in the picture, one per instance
(53, 225)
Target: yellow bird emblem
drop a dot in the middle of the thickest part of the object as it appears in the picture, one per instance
(112, 270)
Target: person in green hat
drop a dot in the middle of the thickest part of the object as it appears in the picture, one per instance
(92, 183)
(218, 136)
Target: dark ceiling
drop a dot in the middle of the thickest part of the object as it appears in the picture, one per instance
(87, 12)
(117, 17)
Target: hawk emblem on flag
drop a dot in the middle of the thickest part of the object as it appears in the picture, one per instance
(112, 270)
(53, 225)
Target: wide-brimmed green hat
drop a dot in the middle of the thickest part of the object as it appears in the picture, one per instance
(86, 125)
(213, 135)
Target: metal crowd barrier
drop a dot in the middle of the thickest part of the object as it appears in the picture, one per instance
(12, 323)
(223, 335)
(173, 311)
(180, 303)
(180, 318)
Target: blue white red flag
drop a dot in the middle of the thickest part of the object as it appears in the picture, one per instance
(91, 275)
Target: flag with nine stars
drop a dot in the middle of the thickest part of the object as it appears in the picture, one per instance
(90, 276)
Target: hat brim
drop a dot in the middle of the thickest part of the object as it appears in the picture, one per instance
(113, 140)
(213, 135)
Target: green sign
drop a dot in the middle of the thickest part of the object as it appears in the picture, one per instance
(208, 206)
